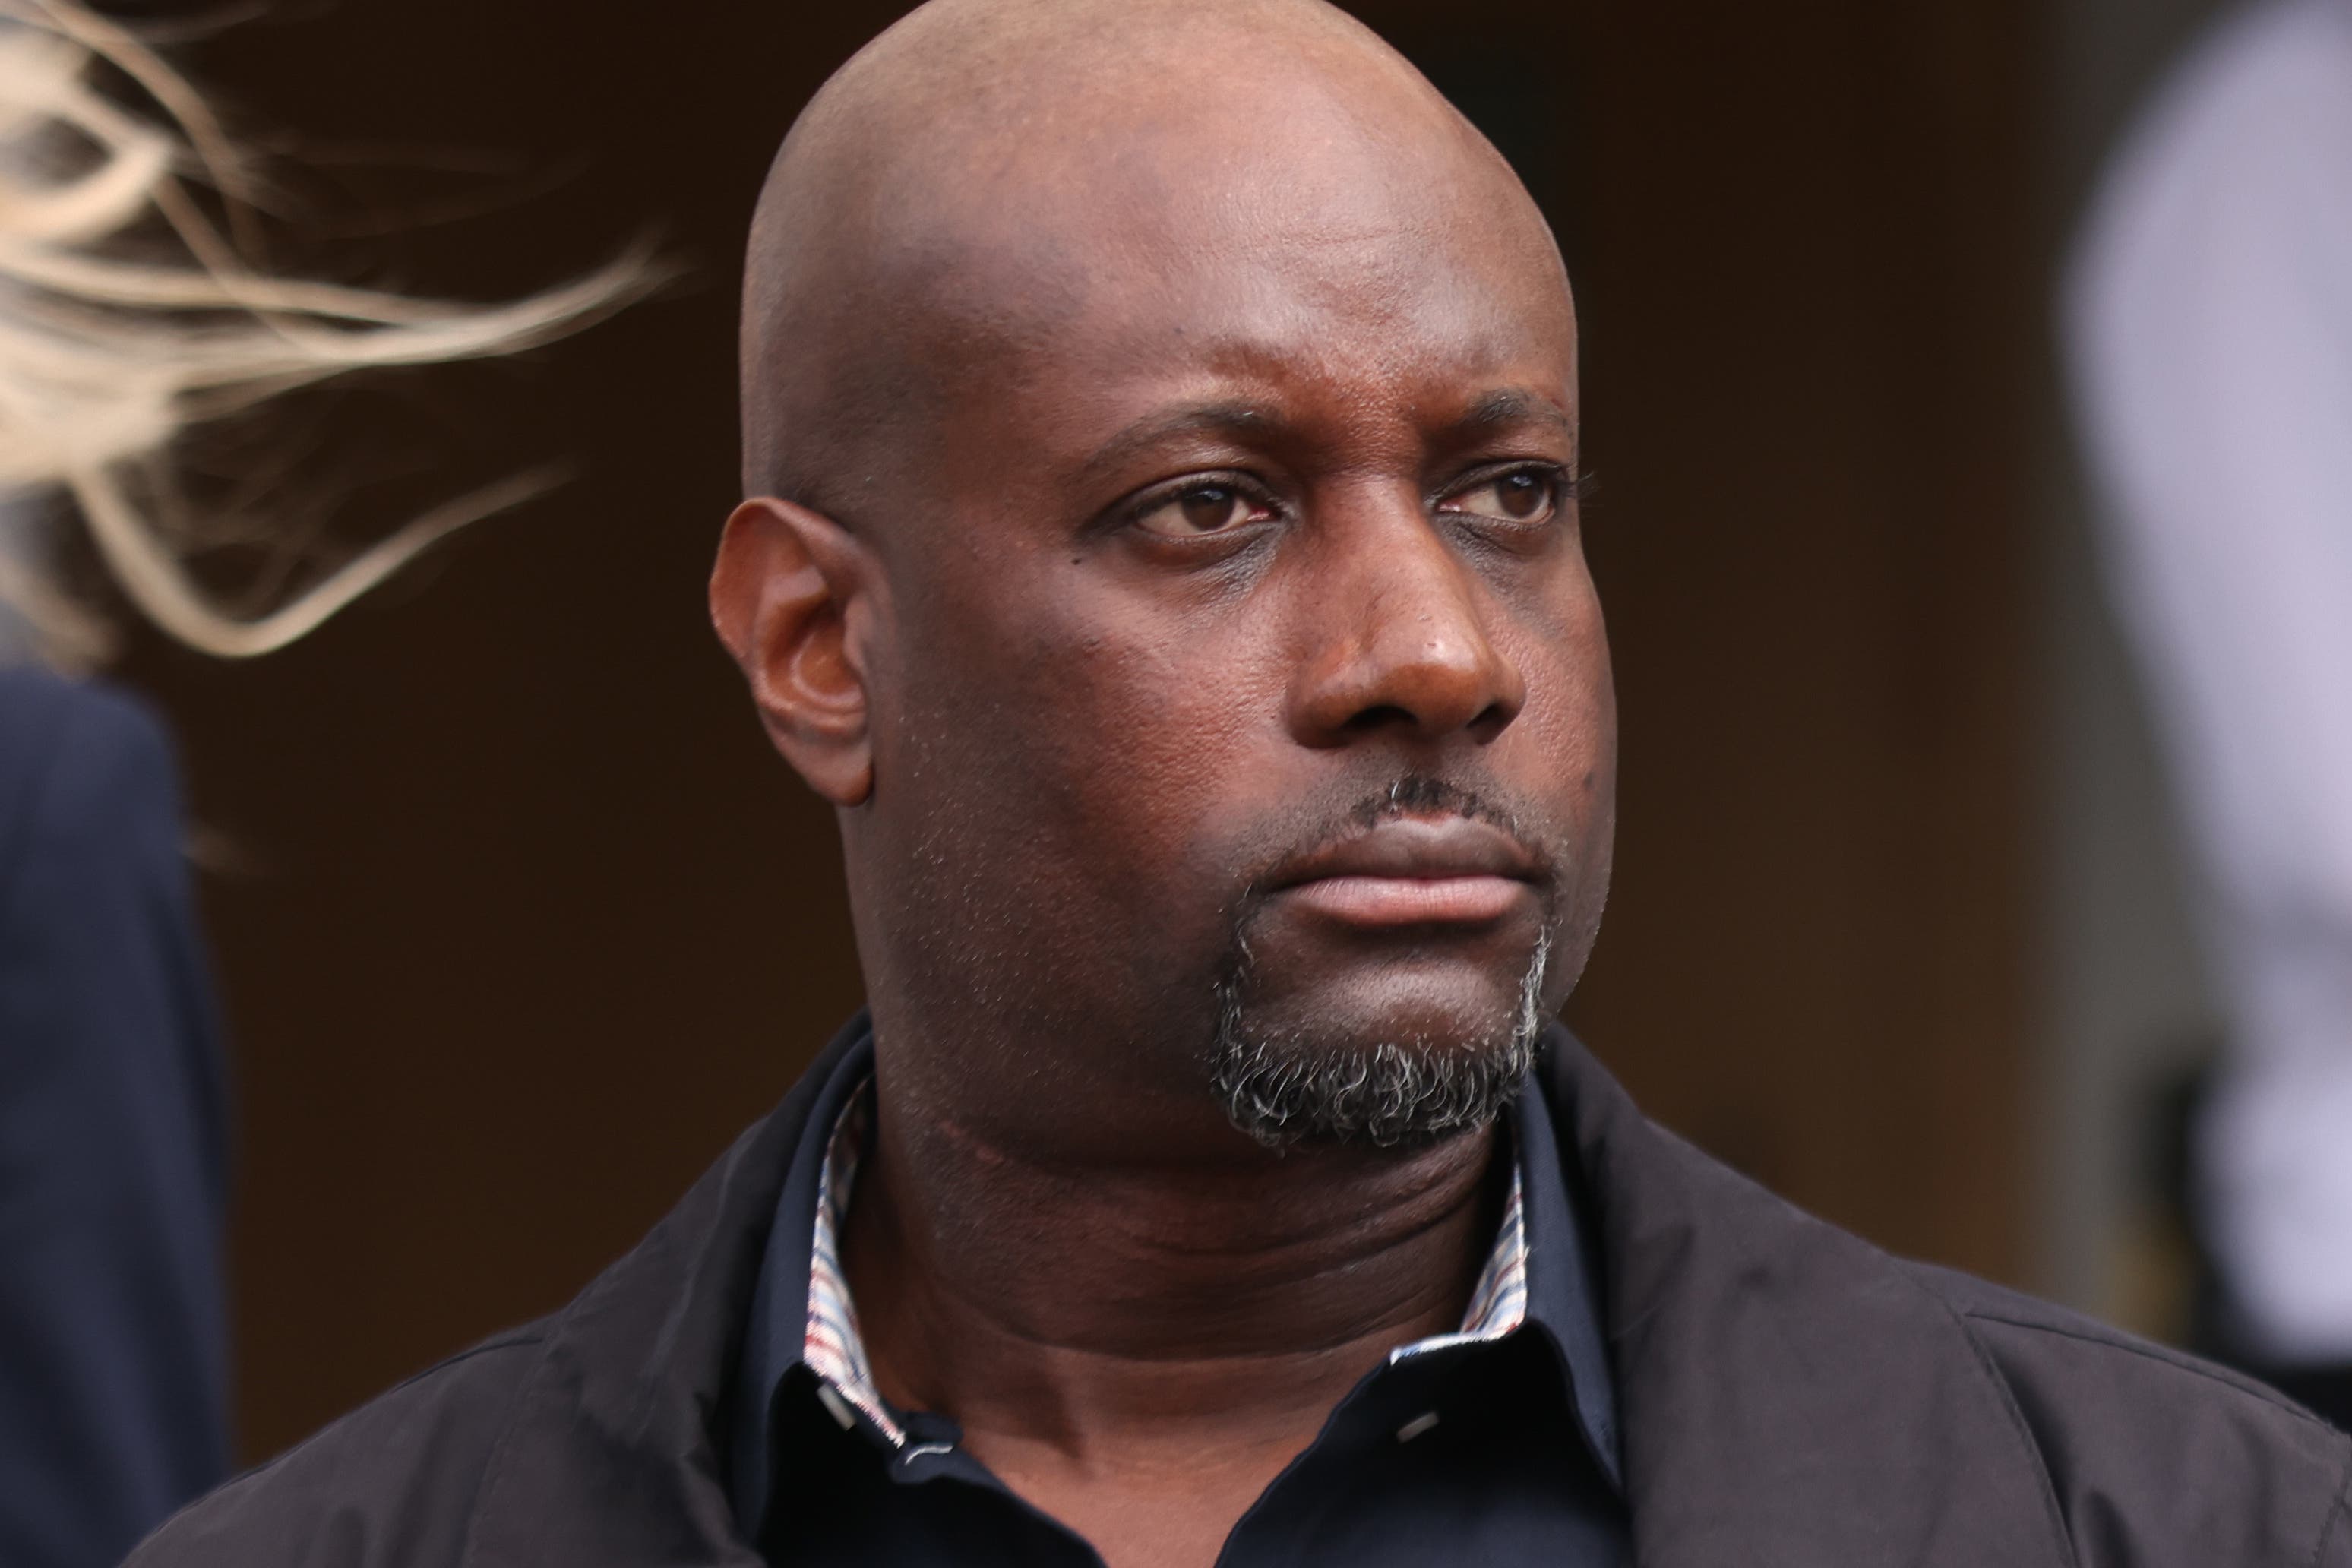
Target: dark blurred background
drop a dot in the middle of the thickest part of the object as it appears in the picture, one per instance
(520, 920)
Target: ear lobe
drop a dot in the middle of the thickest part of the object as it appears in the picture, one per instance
(781, 597)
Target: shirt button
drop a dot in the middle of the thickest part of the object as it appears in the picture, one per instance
(1416, 1427)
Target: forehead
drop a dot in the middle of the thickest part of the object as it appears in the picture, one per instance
(1309, 247)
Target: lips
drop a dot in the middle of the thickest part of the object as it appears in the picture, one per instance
(1413, 870)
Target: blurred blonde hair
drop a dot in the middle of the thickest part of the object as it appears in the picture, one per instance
(106, 358)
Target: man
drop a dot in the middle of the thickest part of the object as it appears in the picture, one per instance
(1161, 419)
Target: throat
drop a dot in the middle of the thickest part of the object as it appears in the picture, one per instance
(1122, 1323)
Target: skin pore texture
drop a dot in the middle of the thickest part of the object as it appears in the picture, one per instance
(1163, 550)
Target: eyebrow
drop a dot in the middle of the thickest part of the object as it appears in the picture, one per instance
(1239, 420)
(1233, 419)
(1513, 406)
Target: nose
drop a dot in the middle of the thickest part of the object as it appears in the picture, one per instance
(1400, 641)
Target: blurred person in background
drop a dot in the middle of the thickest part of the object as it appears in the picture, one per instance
(113, 1347)
(126, 318)
(2208, 319)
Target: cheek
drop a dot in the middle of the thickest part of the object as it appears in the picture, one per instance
(1157, 738)
(1561, 647)
(1589, 757)
(1069, 794)
(1088, 743)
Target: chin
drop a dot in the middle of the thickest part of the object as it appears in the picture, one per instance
(1399, 1058)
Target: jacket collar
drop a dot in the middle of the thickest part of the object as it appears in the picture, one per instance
(611, 1455)
(1788, 1395)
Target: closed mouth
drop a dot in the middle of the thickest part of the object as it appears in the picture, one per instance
(1413, 870)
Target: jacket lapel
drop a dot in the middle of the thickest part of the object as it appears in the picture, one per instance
(1792, 1397)
(610, 1459)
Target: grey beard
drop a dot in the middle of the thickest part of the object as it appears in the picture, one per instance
(1283, 1090)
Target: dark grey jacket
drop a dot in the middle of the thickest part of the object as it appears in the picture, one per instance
(1791, 1398)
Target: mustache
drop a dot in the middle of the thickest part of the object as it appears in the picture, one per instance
(1312, 829)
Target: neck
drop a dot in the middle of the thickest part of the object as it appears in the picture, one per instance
(1099, 1312)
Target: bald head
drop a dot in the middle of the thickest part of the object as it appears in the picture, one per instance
(955, 191)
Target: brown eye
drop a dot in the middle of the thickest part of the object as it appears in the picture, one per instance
(1524, 495)
(1203, 509)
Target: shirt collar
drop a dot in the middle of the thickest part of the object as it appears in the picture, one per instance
(775, 1335)
(1564, 1281)
(831, 1346)
(1542, 1272)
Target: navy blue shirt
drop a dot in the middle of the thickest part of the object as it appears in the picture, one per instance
(1482, 1447)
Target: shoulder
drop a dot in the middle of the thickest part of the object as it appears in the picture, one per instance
(101, 969)
(76, 759)
(391, 1485)
(50, 715)
(103, 989)
(2156, 1456)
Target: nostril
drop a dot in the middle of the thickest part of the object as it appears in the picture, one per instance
(1378, 716)
(1490, 722)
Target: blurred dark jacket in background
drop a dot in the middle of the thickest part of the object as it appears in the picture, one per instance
(112, 1160)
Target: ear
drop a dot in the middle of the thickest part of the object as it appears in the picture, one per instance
(791, 590)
